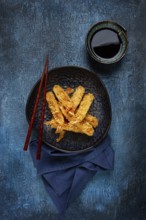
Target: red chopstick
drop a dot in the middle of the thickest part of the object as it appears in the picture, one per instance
(42, 116)
(35, 108)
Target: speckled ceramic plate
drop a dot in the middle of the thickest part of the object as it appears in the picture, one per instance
(71, 76)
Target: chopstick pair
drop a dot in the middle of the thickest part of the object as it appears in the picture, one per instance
(44, 78)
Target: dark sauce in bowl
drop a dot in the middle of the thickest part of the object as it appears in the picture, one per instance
(106, 43)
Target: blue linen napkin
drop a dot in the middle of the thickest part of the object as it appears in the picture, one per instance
(66, 174)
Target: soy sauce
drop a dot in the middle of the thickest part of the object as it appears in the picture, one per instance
(106, 43)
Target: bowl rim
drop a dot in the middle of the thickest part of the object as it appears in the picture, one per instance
(88, 47)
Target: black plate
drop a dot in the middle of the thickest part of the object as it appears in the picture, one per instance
(71, 76)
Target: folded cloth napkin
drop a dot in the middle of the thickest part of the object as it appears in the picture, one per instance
(66, 174)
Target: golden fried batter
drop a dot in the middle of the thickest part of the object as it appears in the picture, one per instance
(65, 112)
(71, 114)
(69, 90)
(61, 136)
(83, 108)
(85, 128)
(82, 127)
(88, 118)
(55, 110)
(92, 120)
(77, 97)
(62, 96)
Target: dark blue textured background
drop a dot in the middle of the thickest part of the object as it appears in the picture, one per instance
(28, 31)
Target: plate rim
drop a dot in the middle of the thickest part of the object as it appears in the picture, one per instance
(109, 123)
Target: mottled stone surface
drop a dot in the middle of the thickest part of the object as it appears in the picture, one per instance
(28, 31)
